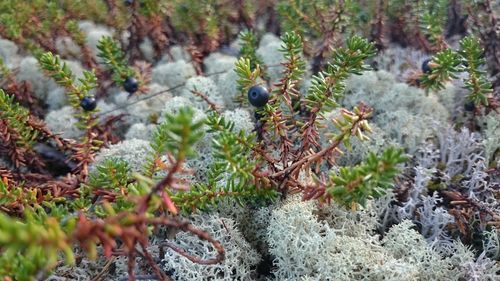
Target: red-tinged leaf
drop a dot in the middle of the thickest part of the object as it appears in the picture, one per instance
(168, 203)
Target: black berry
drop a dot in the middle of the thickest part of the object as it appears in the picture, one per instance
(257, 115)
(258, 96)
(88, 103)
(425, 66)
(130, 85)
(128, 2)
(469, 106)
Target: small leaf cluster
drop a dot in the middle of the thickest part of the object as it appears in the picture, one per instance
(328, 85)
(248, 50)
(17, 118)
(113, 182)
(367, 180)
(447, 64)
(247, 77)
(114, 58)
(177, 135)
(432, 18)
(472, 59)
(292, 48)
(60, 72)
(33, 245)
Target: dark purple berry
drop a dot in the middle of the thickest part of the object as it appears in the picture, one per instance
(258, 96)
(257, 115)
(129, 2)
(425, 66)
(88, 103)
(130, 85)
(469, 106)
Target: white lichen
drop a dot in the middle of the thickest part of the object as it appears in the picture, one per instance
(173, 73)
(63, 121)
(240, 259)
(204, 86)
(132, 151)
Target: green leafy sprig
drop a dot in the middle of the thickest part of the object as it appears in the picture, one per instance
(60, 72)
(114, 58)
(368, 180)
(472, 58)
(444, 66)
(328, 85)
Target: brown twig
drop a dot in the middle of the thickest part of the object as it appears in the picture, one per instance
(103, 271)
(212, 105)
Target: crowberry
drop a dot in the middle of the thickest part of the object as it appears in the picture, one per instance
(425, 66)
(131, 85)
(88, 103)
(258, 96)
(469, 106)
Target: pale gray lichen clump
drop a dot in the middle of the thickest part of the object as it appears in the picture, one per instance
(271, 56)
(228, 88)
(62, 121)
(217, 62)
(29, 70)
(65, 46)
(204, 86)
(8, 52)
(173, 74)
(240, 259)
(146, 107)
(94, 33)
(403, 112)
(491, 142)
(132, 151)
(241, 118)
(343, 247)
(140, 131)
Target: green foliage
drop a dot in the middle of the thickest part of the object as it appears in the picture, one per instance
(11, 195)
(292, 52)
(472, 58)
(114, 58)
(287, 93)
(328, 85)
(17, 118)
(60, 72)
(4, 70)
(231, 174)
(113, 174)
(246, 77)
(432, 16)
(297, 15)
(207, 21)
(31, 245)
(344, 125)
(367, 180)
(444, 66)
(180, 133)
(230, 152)
(317, 20)
(113, 178)
(177, 136)
(31, 24)
(248, 50)
(152, 7)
